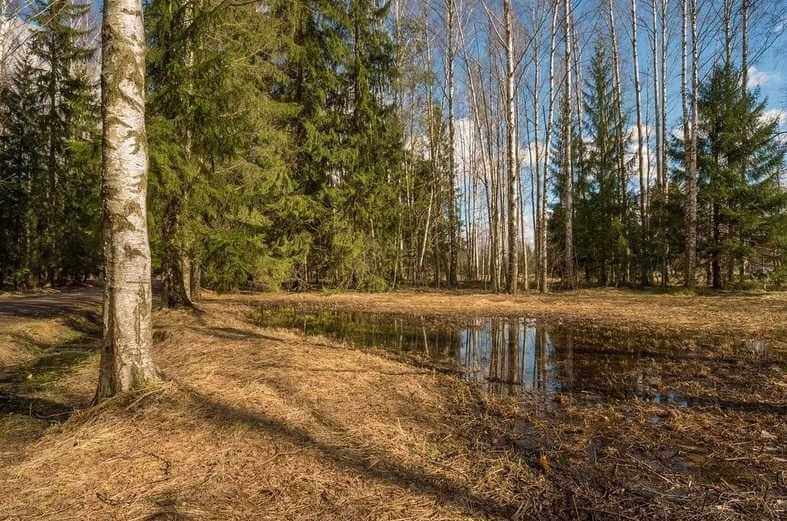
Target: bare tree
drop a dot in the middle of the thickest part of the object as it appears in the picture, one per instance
(453, 246)
(568, 185)
(691, 175)
(543, 286)
(511, 144)
(656, 91)
(126, 361)
(643, 186)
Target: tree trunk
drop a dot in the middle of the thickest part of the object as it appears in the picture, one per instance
(621, 145)
(568, 189)
(126, 361)
(643, 187)
(453, 246)
(196, 280)
(513, 199)
(691, 177)
(663, 95)
(543, 272)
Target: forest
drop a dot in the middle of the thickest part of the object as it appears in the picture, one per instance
(369, 146)
(393, 259)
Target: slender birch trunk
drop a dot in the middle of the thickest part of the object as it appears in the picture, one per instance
(664, 96)
(621, 145)
(643, 187)
(745, 44)
(691, 181)
(568, 189)
(656, 91)
(535, 170)
(544, 287)
(684, 94)
(452, 217)
(513, 204)
(126, 361)
(726, 14)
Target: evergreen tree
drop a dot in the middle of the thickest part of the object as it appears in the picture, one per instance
(741, 219)
(601, 234)
(50, 154)
(348, 138)
(740, 161)
(221, 188)
(21, 164)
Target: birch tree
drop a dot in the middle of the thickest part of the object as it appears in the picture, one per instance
(691, 177)
(452, 217)
(543, 285)
(511, 144)
(126, 361)
(568, 187)
(643, 186)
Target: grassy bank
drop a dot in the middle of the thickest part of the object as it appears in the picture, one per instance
(255, 423)
(664, 314)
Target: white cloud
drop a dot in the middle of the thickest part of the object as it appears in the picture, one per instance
(758, 77)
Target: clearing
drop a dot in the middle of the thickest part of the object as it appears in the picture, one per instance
(254, 420)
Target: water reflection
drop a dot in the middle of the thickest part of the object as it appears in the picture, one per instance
(506, 355)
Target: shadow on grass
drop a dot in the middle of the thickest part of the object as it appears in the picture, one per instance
(20, 384)
(382, 470)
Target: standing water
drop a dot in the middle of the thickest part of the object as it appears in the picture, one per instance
(510, 355)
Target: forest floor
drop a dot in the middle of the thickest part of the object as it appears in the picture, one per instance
(260, 423)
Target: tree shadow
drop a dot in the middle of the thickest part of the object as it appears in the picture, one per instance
(383, 470)
(40, 408)
(81, 303)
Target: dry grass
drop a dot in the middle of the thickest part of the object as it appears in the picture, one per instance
(662, 314)
(253, 423)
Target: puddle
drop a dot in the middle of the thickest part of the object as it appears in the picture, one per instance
(514, 355)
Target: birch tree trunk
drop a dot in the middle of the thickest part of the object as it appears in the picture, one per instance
(664, 96)
(126, 361)
(684, 95)
(543, 286)
(513, 199)
(452, 217)
(621, 145)
(691, 181)
(568, 189)
(535, 169)
(656, 91)
(643, 186)
(745, 44)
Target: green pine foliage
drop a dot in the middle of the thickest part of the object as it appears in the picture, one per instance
(742, 207)
(50, 155)
(221, 194)
(349, 140)
(602, 239)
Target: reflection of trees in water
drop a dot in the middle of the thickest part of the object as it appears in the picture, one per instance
(506, 355)
(509, 355)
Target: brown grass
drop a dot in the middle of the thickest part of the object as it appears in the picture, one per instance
(265, 424)
(662, 314)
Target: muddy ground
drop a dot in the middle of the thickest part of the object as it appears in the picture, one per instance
(263, 423)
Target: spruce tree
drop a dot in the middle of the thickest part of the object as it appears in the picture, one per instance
(221, 188)
(21, 164)
(67, 229)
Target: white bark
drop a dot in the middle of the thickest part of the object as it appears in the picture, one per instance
(513, 199)
(568, 189)
(548, 146)
(643, 188)
(126, 361)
